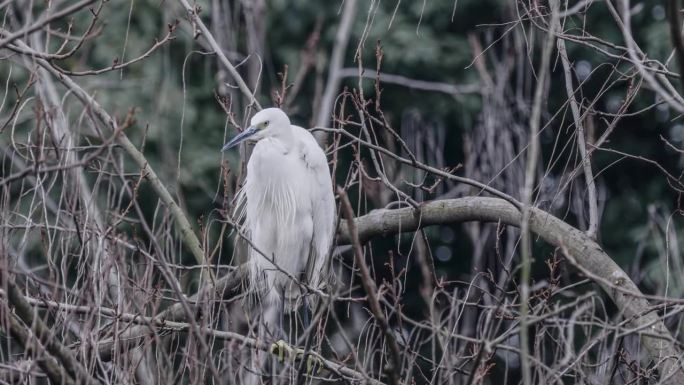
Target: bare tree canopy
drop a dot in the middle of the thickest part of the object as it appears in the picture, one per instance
(507, 177)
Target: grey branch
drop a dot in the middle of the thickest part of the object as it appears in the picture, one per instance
(334, 67)
(585, 251)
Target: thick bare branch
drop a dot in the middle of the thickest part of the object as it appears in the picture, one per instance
(634, 307)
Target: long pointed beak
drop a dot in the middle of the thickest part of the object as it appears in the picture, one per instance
(239, 138)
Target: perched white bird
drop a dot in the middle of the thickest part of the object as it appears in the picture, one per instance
(289, 210)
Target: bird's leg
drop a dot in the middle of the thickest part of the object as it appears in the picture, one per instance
(281, 317)
(280, 347)
(306, 315)
(311, 361)
(266, 315)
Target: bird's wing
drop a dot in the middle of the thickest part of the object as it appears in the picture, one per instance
(323, 209)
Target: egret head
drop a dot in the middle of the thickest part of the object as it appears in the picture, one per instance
(269, 122)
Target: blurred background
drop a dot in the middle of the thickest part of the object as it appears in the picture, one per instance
(174, 90)
(449, 84)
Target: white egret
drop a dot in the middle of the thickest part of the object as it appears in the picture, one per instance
(289, 211)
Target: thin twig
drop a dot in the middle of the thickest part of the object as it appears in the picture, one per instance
(394, 365)
(527, 198)
(334, 66)
(422, 85)
(194, 16)
(42, 22)
(674, 9)
(581, 141)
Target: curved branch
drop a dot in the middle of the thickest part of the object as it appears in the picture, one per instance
(632, 304)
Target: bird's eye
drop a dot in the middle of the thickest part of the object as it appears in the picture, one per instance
(266, 123)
